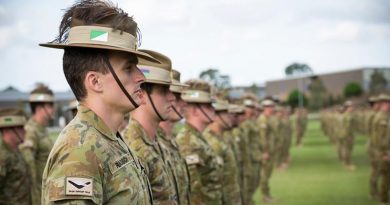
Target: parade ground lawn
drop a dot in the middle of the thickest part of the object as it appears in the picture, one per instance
(316, 177)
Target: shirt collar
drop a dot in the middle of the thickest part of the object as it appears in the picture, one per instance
(86, 114)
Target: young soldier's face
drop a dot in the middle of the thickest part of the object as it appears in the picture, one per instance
(13, 136)
(131, 77)
(162, 98)
(209, 111)
(385, 106)
(226, 119)
(46, 110)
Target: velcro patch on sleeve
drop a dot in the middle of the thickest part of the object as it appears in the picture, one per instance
(192, 159)
(27, 144)
(219, 160)
(78, 186)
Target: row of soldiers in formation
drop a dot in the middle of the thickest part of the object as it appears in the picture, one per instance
(342, 123)
(219, 156)
(245, 140)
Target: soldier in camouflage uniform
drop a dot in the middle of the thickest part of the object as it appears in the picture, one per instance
(300, 125)
(346, 135)
(253, 144)
(286, 132)
(232, 138)
(204, 168)
(374, 161)
(166, 139)
(37, 144)
(141, 133)
(214, 136)
(14, 175)
(90, 163)
(267, 137)
(242, 132)
(279, 134)
(380, 146)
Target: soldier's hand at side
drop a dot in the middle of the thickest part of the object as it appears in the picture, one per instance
(265, 156)
(386, 158)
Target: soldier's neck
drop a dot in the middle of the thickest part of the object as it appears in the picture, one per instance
(167, 126)
(197, 124)
(112, 117)
(216, 128)
(147, 121)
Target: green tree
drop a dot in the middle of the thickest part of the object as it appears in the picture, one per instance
(293, 98)
(317, 93)
(352, 89)
(217, 79)
(378, 82)
(297, 69)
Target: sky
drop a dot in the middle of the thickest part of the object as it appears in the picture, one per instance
(252, 41)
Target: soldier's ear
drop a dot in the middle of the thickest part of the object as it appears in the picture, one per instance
(93, 82)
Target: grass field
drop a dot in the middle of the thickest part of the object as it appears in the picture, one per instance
(316, 177)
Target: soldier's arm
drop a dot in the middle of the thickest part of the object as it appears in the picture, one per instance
(263, 136)
(28, 149)
(74, 177)
(190, 153)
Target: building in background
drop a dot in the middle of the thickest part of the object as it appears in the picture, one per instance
(12, 97)
(333, 83)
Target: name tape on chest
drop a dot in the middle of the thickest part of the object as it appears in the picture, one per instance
(78, 186)
(121, 162)
(192, 159)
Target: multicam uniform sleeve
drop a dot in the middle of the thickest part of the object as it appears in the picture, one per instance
(28, 150)
(74, 179)
(191, 153)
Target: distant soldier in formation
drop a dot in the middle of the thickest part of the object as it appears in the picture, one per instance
(233, 138)
(300, 125)
(253, 144)
(142, 131)
(205, 167)
(346, 135)
(267, 137)
(15, 187)
(167, 139)
(372, 153)
(214, 135)
(37, 144)
(380, 146)
(286, 133)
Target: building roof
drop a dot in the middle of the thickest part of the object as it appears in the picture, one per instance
(11, 94)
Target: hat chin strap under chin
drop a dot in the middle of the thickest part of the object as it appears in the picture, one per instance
(17, 135)
(107, 61)
(177, 112)
(154, 107)
(223, 121)
(204, 113)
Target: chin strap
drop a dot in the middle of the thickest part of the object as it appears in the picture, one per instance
(177, 112)
(17, 135)
(107, 61)
(48, 117)
(204, 113)
(154, 107)
(223, 121)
